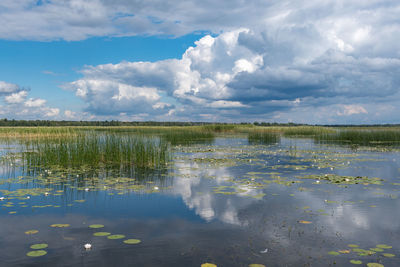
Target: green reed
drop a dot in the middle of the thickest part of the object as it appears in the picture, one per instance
(301, 131)
(264, 137)
(97, 150)
(365, 136)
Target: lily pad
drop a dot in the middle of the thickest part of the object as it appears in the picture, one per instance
(102, 234)
(352, 246)
(132, 241)
(355, 261)
(389, 255)
(116, 236)
(304, 222)
(334, 253)
(376, 249)
(383, 246)
(374, 264)
(36, 253)
(60, 225)
(208, 265)
(31, 232)
(39, 246)
(95, 226)
(256, 265)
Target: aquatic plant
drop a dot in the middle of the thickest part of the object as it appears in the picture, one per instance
(97, 150)
(264, 137)
(364, 137)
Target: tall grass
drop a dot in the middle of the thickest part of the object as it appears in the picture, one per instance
(97, 150)
(363, 137)
(308, 131)
(264, 137)
(187, 137)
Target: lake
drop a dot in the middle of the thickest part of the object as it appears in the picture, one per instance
(225, 201)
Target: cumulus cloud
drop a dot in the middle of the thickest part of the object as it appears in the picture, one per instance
(264, 60)
(253, 73)
(18, 106)
(16, 98)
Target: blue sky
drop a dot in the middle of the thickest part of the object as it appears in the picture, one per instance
(302, 61)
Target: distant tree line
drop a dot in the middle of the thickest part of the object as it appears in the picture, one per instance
(50, 123)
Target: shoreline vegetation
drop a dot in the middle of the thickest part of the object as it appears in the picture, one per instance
(151, 147)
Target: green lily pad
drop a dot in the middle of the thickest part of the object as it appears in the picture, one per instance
(132, 241)
(374, 264)
(60, 225)
(352, 246)
(383, 246)
(115, 236)
(36, 253)
(376, 249)
(95, 226)
(389, 255)
(102, 234)
(208, 265)
(334, 253)
(31, 232)
(39, 246)
(355, 261)
(256, 265)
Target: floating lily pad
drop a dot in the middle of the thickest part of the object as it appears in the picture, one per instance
(334, 253)
(304, 222)
(95, 226)
(39, 246)
(389, 255)
(102, 234)
(355, 261)
(208, 265)
(376, 249)
(344, 251)
(256, 265)
(383, 246)
(36, 253)
(31, 232)
(60, 225)
(115, 236)
(374, 264)
(352, 246)
(132, 241)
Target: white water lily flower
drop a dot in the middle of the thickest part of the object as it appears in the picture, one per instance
(156, 188)
(2, 198)
(87, 246)
(86, 189)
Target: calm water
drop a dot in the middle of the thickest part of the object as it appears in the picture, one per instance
(229, 203)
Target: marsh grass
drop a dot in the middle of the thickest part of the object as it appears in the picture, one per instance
(264, 137)
(308, 131)
(365, 137)
(97, 150)
(187, 137)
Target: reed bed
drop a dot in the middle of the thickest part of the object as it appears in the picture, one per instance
(306, 131)
(363, 137)
(187, 137)
(97, 150)
(264, 137)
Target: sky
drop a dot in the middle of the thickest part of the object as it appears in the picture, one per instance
(303, 61)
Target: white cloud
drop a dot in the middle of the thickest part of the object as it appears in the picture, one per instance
(8, 88)
(261, 59)
(16, 98)
(35, 102)
(352, 110)
(69, 114)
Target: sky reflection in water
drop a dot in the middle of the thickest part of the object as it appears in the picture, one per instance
(210, 207)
